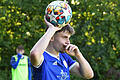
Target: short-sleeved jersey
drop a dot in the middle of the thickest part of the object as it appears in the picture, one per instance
(53, 68)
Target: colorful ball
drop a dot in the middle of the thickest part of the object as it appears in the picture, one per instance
(58, 13)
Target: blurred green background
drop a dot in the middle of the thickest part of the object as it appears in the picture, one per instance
(97, 26)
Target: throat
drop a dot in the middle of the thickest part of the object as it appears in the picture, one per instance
(53, 55)
(53, 52)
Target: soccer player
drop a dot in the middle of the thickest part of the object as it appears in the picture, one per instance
(21, 66)
(50, 56)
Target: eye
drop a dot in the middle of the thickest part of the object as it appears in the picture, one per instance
(65, 37)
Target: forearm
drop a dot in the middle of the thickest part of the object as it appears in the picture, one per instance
(43, 42)
(29, 70)
(14, 63)
(30, 73)
(84, 67)
(41, 45)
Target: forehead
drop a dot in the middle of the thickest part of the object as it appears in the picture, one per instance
(63, 33)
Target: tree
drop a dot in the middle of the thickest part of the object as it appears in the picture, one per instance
(96, 23)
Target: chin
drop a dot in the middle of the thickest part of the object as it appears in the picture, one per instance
(62, 50)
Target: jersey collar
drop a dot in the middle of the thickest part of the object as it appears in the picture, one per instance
(53, 55)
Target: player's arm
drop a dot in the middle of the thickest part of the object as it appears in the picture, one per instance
(82, 67)
(14, 63)
(29, 70)
(36, 54)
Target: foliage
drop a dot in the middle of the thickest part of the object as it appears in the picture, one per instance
(97, 34)
(96, 23)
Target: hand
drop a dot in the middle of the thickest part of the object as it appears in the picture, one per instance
(72, 50)
(19, 55)
(51, 25)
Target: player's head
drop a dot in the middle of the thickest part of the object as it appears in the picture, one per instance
(61, 38)
(20, 49)
(67, 28)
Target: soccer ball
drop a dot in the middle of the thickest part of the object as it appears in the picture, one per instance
(58, 13)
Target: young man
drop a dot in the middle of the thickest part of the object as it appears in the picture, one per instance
(21, 66)
(50, 56)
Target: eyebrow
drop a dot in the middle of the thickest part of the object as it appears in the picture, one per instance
(65, 36)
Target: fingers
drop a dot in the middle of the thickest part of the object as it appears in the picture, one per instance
(45, 19)
(48, 23)
(51, 25)
(71, 47)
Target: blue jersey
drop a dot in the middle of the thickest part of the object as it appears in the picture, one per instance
(53, 68)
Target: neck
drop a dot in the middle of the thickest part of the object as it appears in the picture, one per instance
(52, 50)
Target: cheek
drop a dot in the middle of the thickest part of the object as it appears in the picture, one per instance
(59, 44)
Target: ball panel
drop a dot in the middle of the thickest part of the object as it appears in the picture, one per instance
(58, 13)
(58, 10)
(49, 9)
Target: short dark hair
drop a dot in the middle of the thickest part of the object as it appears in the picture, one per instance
(66, 28)
(20, 47)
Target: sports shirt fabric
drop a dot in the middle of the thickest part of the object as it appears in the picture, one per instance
(53, 68)
(21, 68)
